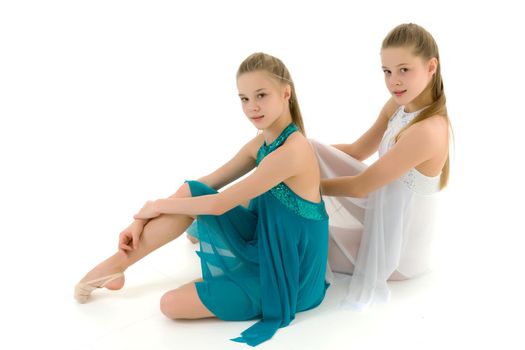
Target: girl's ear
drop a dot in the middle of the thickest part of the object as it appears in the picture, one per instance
(287, 92)
(432, 65)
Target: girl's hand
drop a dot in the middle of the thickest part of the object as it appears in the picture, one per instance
(148, 211)
(129, 238)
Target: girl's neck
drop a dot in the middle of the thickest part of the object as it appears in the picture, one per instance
(276, 128)
(423, 100)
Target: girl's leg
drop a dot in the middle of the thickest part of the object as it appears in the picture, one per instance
(351, 241)
(347, 239)
(337, 260)
(156, 233)
(184, 303)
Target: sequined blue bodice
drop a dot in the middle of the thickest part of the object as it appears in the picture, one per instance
(283, 193)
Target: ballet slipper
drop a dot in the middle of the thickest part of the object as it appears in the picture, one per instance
(83, 289)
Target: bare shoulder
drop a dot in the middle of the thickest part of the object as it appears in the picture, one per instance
(432, 130)
(297, 142)
(437, 125)
(295, 150)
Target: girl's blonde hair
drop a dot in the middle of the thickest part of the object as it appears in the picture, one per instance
(423, 45)
(275, 67)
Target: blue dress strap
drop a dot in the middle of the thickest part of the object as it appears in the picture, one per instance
(267, 149)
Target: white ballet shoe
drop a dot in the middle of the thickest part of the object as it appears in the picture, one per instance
(83, 289)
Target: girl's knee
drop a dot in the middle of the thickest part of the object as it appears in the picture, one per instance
(183, 303)
(170, 305)
(183, 191)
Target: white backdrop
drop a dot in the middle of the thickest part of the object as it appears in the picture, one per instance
(105, 104)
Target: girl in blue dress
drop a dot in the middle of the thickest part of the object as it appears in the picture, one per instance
(266, 260)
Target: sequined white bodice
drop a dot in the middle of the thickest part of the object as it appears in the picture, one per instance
(413, 179)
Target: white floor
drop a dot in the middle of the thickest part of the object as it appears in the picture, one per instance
(437, 311)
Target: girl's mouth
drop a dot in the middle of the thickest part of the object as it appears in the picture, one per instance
(399, 93)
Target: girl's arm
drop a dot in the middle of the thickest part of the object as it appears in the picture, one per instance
(369, 142)
(239, 165)
(283, 163)
(419, 143)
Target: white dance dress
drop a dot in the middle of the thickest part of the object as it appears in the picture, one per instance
(393, 227)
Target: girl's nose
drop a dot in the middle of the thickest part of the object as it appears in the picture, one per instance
(394, 81)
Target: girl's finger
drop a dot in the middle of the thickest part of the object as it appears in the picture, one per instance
(125, 247)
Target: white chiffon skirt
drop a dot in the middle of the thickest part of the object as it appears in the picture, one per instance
(386, 235)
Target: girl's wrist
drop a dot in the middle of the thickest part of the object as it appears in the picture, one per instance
(157, 206)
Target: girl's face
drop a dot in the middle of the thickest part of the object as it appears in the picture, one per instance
(407, 76)
(264, 100)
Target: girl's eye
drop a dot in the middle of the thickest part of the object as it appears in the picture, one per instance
(244, 99)
(387, 72)
(404, 70)
(259, 96)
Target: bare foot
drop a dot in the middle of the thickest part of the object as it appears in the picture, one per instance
(108, 274)
(106, 268)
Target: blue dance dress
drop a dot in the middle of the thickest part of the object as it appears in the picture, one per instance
(266, 261)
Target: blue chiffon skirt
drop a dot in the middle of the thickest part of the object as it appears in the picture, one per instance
(266, 261)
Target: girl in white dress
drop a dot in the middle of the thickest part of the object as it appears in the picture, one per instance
(381, 216)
